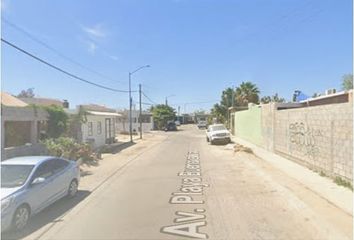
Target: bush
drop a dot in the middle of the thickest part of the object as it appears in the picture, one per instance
(68, 148)
(344, 183)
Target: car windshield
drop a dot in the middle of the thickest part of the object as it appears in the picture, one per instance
(218, 128)
(14, 175)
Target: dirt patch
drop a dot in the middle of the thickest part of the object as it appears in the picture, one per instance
(241, 148)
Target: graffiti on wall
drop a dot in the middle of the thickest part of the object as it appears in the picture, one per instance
(303, 139)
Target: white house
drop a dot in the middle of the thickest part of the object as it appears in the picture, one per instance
(122, 122)
(99, 125)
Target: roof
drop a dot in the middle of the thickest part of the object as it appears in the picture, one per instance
(96, 107)
(11, 101)
(126, 111)
(27, 160)
(104, 113)
(325, 96)
(43, 101)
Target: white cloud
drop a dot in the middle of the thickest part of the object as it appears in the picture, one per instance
(96, 31)
(3, 5)
(115, 58)
(92, 47)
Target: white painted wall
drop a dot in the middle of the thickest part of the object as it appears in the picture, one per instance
(99, 138)
(122, 124)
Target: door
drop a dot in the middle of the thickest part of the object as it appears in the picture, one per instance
(40, 195)
(61, 177)
(108, 130)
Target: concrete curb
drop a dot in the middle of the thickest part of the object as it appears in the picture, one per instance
(324, 187)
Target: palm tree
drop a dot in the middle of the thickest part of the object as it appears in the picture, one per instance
(246, 93)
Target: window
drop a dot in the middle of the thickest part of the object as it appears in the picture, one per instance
(99, 128)
(44, 170)
(14, 175)
(59, 164)
(89, 125)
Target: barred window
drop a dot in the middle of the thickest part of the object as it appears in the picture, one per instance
(90, 128)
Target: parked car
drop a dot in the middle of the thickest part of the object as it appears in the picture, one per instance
(217, 133)
(171, 126)
(30, 184)
(202, 124)
(178, 123)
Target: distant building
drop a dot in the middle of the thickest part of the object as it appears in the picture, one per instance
(122, 122)
(329, 98)
(187, 118)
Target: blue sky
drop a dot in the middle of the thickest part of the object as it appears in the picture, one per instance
(196, 48)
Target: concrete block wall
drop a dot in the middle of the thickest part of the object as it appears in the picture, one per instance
(25, 150)
(319, 137)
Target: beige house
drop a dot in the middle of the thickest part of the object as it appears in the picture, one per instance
(20, 126)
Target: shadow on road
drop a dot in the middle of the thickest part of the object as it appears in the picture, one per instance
(50, 215)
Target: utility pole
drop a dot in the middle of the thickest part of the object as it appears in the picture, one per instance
(166, 101)
(140, 111)
(131, 100)
(130, 109)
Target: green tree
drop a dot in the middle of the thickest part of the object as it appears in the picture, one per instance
(246, 93)
(161, 114)
(274, 98)
(220, 110)
(347, 82)
(57, 121)
(29, 93)
(74, 123)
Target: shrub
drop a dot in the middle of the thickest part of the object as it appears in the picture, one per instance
(68, 148)
(344, 183)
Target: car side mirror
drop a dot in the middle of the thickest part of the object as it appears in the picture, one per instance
(38, 181)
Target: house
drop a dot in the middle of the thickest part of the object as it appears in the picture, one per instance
(187, 118)
(20, 125)
(46, 102)
(98, 125)
(330, 97)
(122, 123)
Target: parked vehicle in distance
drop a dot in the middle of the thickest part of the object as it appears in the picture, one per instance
(178, 123)
(30, 184)
(202, 124)
(170, 126)
(217, 133)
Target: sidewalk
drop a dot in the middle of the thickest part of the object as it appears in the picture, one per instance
(323, 186)
(93, 176)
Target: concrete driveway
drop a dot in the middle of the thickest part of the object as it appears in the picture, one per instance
(180, 187)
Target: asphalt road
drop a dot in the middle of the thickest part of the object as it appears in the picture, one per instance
(220, 195)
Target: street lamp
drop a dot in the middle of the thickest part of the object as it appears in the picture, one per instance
(130, 100)
(167, 98)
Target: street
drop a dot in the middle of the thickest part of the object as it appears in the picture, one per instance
(181, 187)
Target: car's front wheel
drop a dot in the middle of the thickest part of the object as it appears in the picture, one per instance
(73, 188)
(20, 218)
(207, 139)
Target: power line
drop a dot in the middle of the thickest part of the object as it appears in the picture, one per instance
(60, 69)
(33, 38)
(148, 98)
(144, 103)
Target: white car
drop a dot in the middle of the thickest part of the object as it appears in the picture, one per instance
(178, 123)
(202, 124)
(218, 133)
(30, 184)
